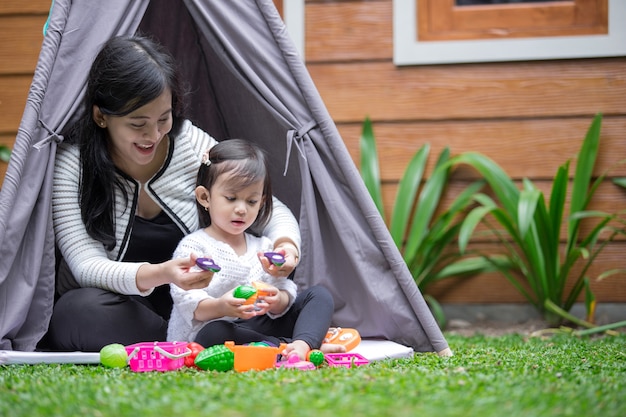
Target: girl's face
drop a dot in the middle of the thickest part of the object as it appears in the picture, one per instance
(231, 211)
(135, 138)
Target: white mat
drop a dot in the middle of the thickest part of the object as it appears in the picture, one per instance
(374, 350)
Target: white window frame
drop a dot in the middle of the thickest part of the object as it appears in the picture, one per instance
(407, 50)
(294, 20)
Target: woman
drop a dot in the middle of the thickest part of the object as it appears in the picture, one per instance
(123, 197)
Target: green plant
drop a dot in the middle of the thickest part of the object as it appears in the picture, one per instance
(422, 229)
(539, 261)
(5, 153)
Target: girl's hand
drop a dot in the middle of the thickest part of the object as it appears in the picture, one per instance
(235, 307)
(290, 252)
(273, 300)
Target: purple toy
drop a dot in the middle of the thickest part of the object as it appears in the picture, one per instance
(275, 258)
(208, 264)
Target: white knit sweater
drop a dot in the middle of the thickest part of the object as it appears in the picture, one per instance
(236, 270)
(172, 188)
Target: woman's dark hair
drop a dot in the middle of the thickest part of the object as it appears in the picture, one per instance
(128, 73)
(246, 163)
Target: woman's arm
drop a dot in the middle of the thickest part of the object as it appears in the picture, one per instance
(86, 257)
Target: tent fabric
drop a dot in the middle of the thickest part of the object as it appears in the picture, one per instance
(246, 80)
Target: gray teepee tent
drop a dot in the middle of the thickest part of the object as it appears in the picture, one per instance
(248, 81)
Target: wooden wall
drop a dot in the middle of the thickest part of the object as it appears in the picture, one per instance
(21, 35)
(528, 116)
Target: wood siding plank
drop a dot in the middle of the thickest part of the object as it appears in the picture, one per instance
(20, 42)
(348, 31)
(13, 93)
(25, 6)
(532, 148)
(495, 288)
(472, 91)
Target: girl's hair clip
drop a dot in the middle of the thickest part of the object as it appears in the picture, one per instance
(205, 158)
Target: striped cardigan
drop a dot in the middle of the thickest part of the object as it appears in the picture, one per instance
(90, 264)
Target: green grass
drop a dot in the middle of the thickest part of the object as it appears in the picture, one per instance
(488, 376)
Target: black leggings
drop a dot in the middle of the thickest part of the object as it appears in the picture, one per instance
(308, 319)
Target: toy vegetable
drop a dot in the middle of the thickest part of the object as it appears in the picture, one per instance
(195, 349)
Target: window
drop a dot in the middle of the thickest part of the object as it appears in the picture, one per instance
(447, 31)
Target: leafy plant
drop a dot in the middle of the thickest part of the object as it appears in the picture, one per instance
(5, 153)
(423, 231)
(539, 261)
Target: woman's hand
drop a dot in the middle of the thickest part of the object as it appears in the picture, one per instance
(175, 271)
(292, 257)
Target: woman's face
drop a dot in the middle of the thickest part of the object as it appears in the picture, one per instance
(135, 138)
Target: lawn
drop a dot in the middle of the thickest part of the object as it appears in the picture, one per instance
(501, 376)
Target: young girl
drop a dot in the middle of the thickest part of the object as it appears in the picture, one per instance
(233, 194)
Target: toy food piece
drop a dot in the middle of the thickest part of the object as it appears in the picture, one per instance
(350, 338)
(248, 292)
(195, 349)
(316, 357)
(294, 362)
(208, 264)
(275, 258)
(262, 289)
(216, 358)
(114, 356)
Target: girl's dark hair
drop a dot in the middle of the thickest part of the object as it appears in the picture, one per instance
(128, 73)
(246, 163)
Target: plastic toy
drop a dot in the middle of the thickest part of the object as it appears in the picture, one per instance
(347, 360)
(216, 358)
(195, 348)
(249, 357)
(114, 355)
(247, 292)
(157, 356)
(208, 264)
(252, 293)
(350, 338)
(275, 258)
(316, 357)
(294, 362)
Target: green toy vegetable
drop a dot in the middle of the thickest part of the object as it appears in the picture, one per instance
(216, 358)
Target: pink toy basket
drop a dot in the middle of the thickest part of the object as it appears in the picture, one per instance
(157, 356)
(347, 360)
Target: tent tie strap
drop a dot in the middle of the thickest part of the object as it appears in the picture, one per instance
(52, 136)
(295, 137)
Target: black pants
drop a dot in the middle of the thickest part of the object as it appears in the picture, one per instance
(308, 319)
(86, 319)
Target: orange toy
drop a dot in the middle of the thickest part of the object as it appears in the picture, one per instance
(248, 357)
(350, 338)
